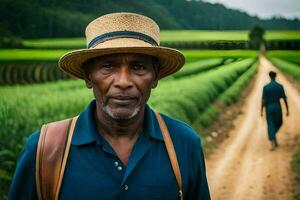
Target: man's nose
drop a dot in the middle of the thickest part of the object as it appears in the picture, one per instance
(123, 77)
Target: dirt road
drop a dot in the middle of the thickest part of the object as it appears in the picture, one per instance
(242, 167)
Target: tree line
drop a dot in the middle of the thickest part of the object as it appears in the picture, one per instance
(68, 18)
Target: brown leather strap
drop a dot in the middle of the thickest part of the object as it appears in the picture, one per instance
(52, 152)
(171, 152)
(66, 153)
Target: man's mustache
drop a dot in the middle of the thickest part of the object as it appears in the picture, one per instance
(123, 93)
(122, 96)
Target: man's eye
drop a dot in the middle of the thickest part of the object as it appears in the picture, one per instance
(139, 67)
(107, 66)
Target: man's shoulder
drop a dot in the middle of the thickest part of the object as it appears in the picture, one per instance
(276, 84)
(268, 85)
(273, 84)
(279, 85)
(180, 129)
(28, 154)
(32, 141)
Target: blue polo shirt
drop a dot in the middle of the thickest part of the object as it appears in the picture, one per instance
(272, 92)
(94, 171)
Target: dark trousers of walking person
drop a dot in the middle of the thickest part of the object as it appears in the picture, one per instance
(274, 121)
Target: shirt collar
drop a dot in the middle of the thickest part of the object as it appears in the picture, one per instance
(85, 130)
(151, 126)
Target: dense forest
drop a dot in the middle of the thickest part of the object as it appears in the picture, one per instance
(68, 18)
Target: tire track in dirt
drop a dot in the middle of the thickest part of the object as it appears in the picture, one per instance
(242, 167)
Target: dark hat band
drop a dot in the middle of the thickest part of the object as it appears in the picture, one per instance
(121, 34)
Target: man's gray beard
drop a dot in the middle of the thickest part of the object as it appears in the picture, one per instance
(112, 115)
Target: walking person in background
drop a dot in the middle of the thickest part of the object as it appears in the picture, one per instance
(272, 93)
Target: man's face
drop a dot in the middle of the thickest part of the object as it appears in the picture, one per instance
(122, 83)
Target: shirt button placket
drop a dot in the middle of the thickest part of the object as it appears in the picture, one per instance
(126, 187)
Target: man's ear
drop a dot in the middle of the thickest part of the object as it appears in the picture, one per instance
(154, 84)
(87, 76)
(156, 71)
(88, 82)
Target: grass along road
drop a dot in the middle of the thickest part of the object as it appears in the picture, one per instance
(242, 167)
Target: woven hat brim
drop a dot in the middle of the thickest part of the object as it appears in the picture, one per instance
(171, 60)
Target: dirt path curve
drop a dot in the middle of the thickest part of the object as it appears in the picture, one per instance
(242, 167)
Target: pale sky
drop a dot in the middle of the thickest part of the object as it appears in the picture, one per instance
(264, 8)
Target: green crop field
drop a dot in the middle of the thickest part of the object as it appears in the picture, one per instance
(198, 35)
(287, 61)
(290, 68)
(189, 98)
(15, 55)
(204, 54)
(168, 36)
(199, 66)
(55, 42)
(293, 56)
(201, 91)
(29, 55)
(283, 35)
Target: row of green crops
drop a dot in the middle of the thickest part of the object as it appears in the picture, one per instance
(30, 55)
(187, 97)
(23, 109)
(199, 66)
(35, 72)
(192, 55)
(231, 95)
(288, 67)
(293, 56)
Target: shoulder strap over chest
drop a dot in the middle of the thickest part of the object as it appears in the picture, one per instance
(171, 152)
(51, 156)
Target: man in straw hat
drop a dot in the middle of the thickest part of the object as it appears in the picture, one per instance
(118, 147)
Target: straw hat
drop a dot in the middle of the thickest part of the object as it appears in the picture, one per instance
(122, 33)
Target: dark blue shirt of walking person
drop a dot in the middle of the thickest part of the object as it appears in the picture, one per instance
(272, 93)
